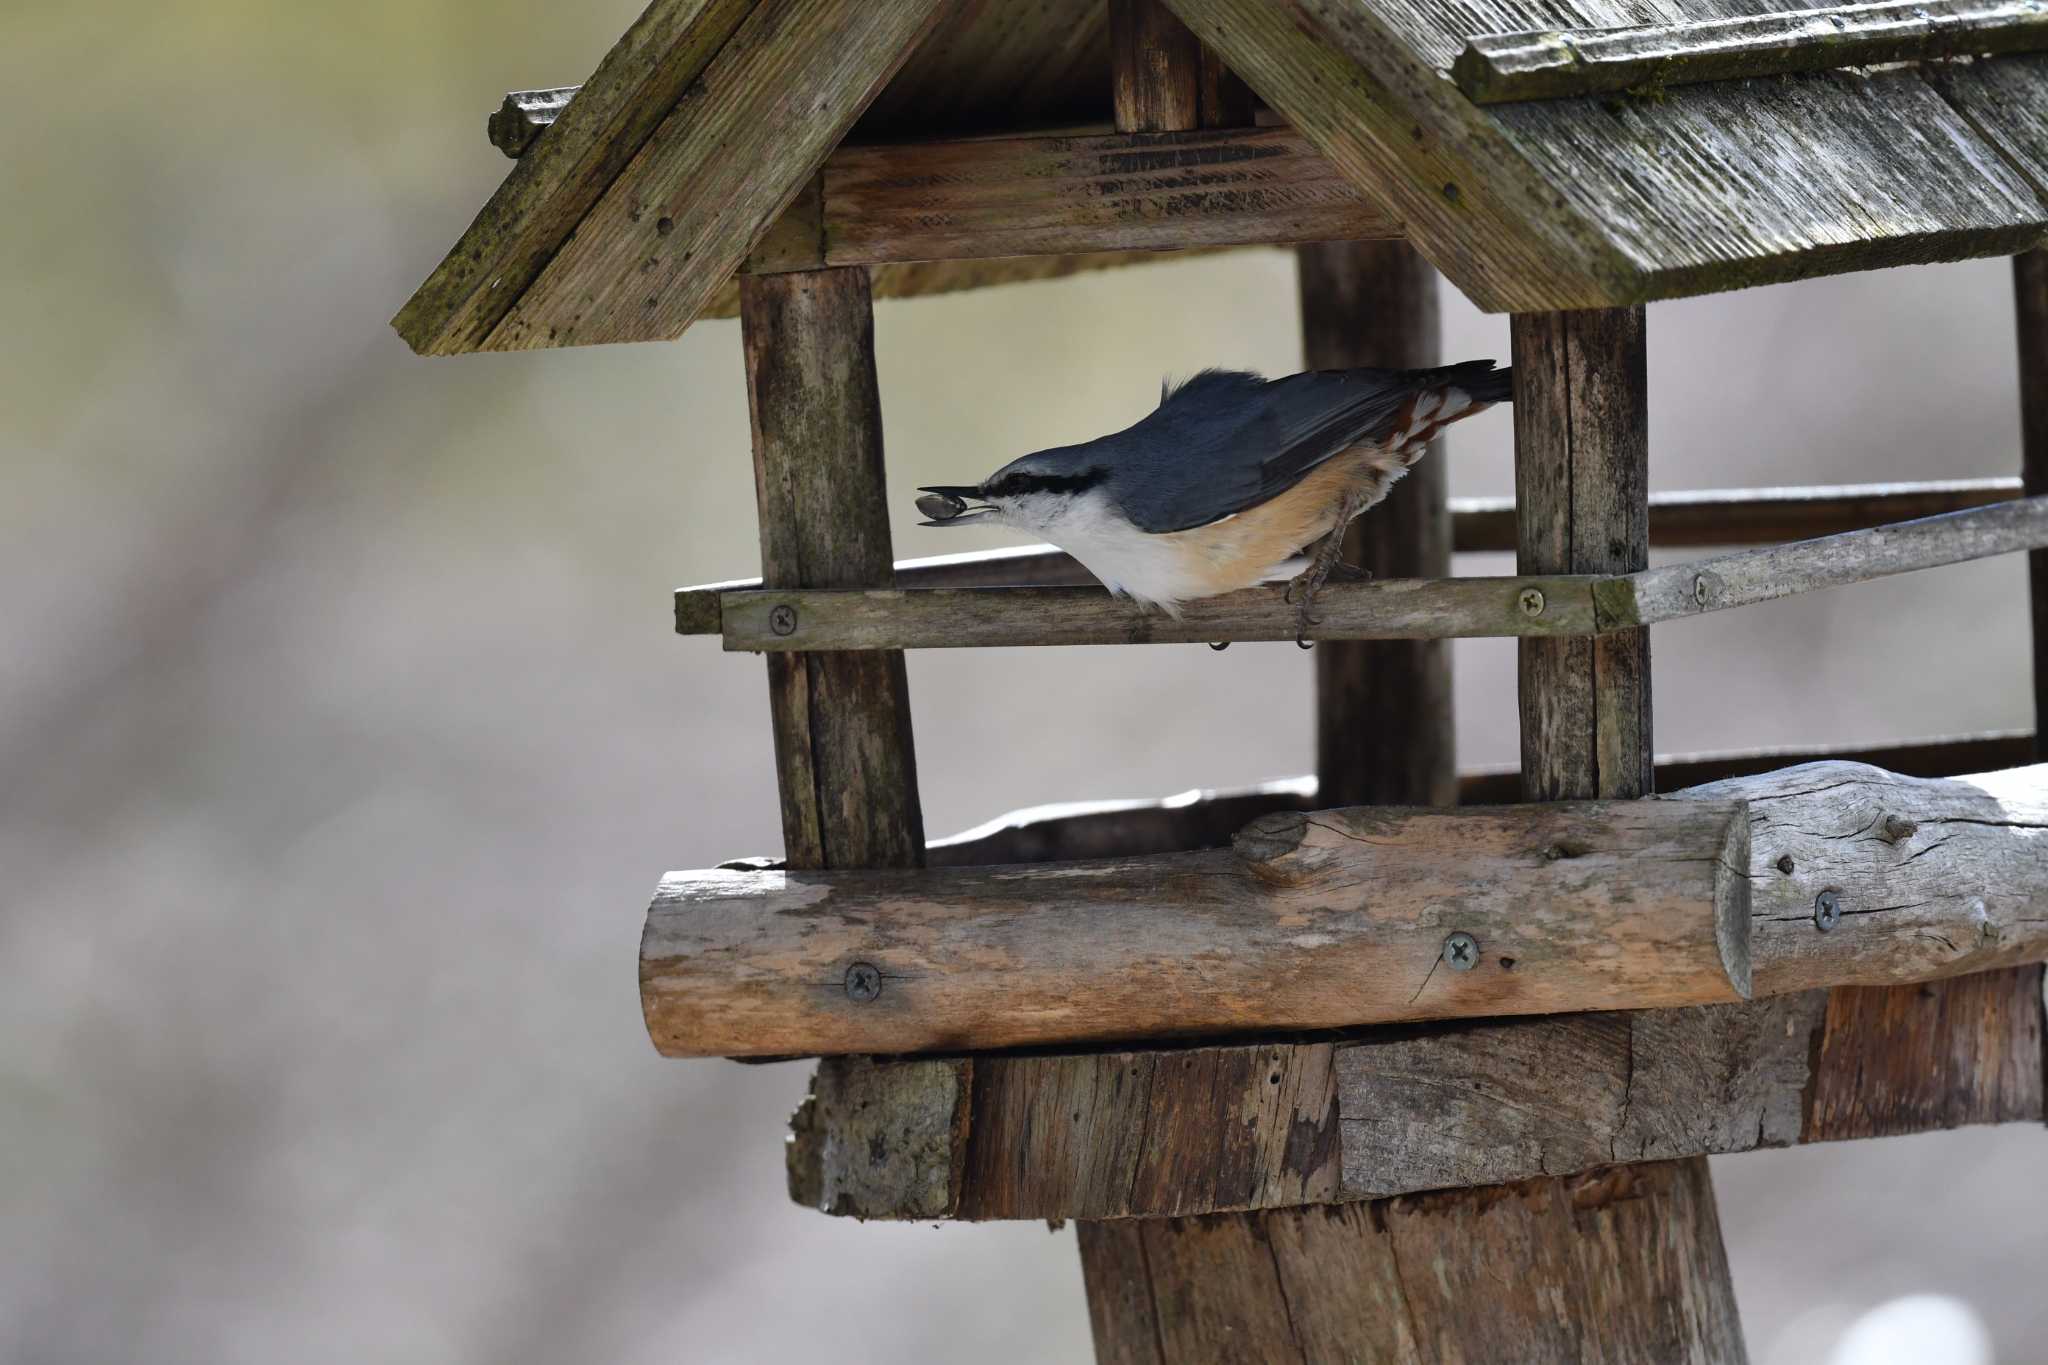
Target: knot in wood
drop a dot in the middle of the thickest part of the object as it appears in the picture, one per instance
(1267, 841)
(1897, 829)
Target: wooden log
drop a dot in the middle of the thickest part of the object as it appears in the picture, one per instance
(1394, 1111)
(1375, 304)
(1647, 58)
(1721, 517)
(2030, 300)
(844, 761)
(1208, 819)
(1318, 921)
(715, 173)
(550, 191)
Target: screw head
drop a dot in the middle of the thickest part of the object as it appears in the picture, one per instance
(1461, 952)
(1700, 591)
(1531, 602)
(782, 620)
(1827, 911)
(863, 981)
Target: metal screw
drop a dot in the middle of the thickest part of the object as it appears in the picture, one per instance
(1461, 952)
(782, 620)
(1699, 589)
(1827, 911)
(1531, 602)
(863, 981)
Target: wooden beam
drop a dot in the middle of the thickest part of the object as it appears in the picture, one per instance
(1374, 303)
(1394, 1112)
(1311, 921)
(738, 145)
(1648, 58)
(1155, 68)
(1534, 606)
(1716, 518)
(2030, 300)
(844, 761)
(1208, 819)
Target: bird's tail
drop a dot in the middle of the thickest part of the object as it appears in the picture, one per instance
(1478, 380)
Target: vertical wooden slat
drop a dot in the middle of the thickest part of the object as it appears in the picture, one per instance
(2030, 298)
(843, 756)
(1384, 729)
(1155, 68)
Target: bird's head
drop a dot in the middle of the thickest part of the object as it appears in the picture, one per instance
(1033, 493)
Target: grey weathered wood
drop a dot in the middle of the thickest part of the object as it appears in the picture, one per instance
(1719, 517)
(1208, 819)
(2030, 307)
(1374, 303)
(524, 115)
(1554, 64)
(1395, 1111)
(845, 766)
(881, 1140)
(1310, 921)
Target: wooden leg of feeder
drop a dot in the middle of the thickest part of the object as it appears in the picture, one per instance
(843, 756)
(1384, 731)
(2030, 297)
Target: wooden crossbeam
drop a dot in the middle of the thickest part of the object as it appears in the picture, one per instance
(1712, 518)
(1419, 609)
(1559, 64)
(1214, 1129)
(1851, 875)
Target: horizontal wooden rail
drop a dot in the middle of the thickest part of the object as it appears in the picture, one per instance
(1217, 1128)
(1208, 819)
(1552, 64)
(1447, 608)
(1682, 520)
(1054, 195)
(1851, 876)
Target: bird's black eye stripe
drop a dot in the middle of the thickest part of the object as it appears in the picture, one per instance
(1014, 485)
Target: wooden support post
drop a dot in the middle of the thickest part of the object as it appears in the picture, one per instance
(1384, 730)
(2030, 297)
(843, 757)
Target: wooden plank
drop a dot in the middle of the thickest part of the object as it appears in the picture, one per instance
(1582, 500)
(1208, 819)
(1718, 517)
(950, 618)
(1058, 195)
(548, 193)
(1535, 606)
(713, 176)
(845, 767)
(1555, 64)
(1374, 304)
(2005, 101)
(1457, 1105)
(2030, 306)
(1766, 574)
(1155, 68)
(1316, 921)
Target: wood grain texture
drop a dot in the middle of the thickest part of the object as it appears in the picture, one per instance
(1208, 819)
(714, 175)
(1597, 1268)
(1385, 732)
(1551, 64)
(2005, 101)
(1717, 517)
(551, 189)
(845, 763)
(1582, 506)
(2030, 309)
(1058, 195)
(992, 65)
(1318, 921)
(1155, 68)
(881, 1139)
(1396, 1111)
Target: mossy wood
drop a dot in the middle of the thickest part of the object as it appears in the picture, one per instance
(1648, 59)
(1535, 605)
(1716, 518)
(1214, 1129)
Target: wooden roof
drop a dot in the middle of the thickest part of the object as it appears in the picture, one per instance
(629, 218)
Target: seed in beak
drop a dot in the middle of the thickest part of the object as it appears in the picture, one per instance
(940, 506)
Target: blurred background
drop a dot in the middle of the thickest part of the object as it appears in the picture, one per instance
(343, 736)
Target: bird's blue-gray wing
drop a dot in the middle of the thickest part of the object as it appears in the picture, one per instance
(1228, 440)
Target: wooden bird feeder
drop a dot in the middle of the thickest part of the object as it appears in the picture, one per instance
(1439, 1056)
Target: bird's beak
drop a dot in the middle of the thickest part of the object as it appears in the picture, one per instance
(946, 505)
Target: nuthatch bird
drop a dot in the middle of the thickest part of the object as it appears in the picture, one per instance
(1228, 478)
